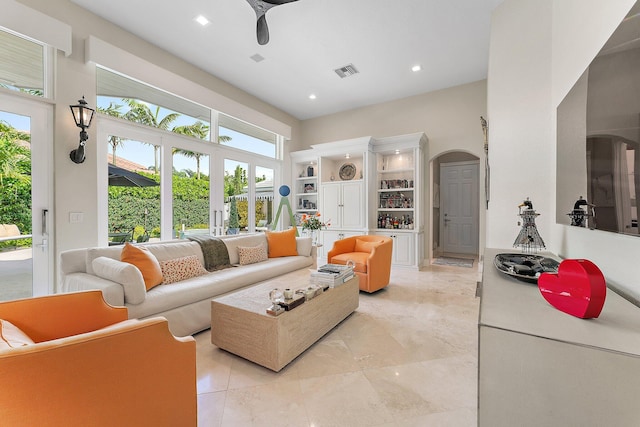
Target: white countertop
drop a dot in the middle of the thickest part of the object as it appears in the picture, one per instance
(514, 305)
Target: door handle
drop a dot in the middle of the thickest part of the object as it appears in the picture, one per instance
(45, 214)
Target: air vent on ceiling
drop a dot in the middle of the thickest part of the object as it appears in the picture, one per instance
(346, 71)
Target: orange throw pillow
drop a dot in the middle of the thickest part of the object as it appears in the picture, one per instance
(366, 246)
(146, 262)
(282, 243)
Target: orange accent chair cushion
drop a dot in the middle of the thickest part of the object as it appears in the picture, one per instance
(371, 255)
(282, 243)
(146, 262)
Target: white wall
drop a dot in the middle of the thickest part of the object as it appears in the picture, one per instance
(539, 49)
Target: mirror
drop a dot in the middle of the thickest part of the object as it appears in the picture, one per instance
(598, 140)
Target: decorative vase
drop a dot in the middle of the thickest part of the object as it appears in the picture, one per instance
(314, 237)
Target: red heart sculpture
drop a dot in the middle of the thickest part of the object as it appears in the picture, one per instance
(578, 289)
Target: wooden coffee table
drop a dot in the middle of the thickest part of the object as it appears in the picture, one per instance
(241, 325)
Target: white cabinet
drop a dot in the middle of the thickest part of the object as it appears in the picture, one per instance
(343, 204)
(398, 187)
(403, 247)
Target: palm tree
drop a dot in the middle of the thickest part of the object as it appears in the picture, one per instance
(198, 130)
(140, 112)
(113, 110)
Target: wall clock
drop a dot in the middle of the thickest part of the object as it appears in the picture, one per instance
(347, 171)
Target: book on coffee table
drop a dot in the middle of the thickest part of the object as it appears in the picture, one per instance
(332, 275)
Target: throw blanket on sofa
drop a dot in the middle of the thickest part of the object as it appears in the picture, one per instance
(216, 256)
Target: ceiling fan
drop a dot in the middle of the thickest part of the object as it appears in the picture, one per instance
(261, 7)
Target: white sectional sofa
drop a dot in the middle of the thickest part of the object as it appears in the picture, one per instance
(185, 304)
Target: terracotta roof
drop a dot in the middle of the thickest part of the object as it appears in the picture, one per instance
(127, 164)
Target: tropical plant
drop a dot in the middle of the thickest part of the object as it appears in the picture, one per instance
(113, 110)
(140, 112)
(234, 220)
(15, 153)
(233, 184)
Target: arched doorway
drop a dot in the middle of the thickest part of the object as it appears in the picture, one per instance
(455, 207)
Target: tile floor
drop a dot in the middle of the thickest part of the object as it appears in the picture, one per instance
(406, 357)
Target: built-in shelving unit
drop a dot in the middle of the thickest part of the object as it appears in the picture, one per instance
(364, 186)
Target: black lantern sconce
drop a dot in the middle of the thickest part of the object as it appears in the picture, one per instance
(83, 116)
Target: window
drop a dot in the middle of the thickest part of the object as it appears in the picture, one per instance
(122, 97)
(244, 136)
(190, 192)
(22, 64)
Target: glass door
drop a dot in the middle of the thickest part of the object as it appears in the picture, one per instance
(25, 199)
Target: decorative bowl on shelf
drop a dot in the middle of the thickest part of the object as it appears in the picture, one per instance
(525, 267)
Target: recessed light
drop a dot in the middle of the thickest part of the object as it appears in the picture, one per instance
(202, 20)
(312, 96)
(416, 68)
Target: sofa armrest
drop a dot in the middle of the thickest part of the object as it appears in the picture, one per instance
(132, 373)
(56, 316)
(379, 262)
(113, 292)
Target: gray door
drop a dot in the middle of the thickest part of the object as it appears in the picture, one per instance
(459, 227)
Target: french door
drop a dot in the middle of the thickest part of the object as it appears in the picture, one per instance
(27, 269)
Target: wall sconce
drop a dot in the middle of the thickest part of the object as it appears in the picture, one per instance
(83, 116)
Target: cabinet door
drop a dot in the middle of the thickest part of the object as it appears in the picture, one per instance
(352, 205)
(330, 208)
(403, 249)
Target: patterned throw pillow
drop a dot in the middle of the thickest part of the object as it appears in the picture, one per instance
(251, 255)
(177, 269)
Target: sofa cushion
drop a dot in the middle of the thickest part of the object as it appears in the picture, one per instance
(366, 246)
(178, 269)
(252, 255)
(11, 336)
(175, 249)
(112, 252)
(128, 275)
(246, 240)
(146, 263)
(303, 246)
(282, 243)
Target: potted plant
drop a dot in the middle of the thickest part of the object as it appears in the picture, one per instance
(234, 219)
(313, 224)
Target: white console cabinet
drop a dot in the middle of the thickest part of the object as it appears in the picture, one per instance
(538, 366)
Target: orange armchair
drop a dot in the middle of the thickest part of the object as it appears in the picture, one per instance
(372, 257)
(91, 366)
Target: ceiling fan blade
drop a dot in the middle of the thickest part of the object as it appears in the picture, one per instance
(261, 7)
(262, 30)
(277, 2)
